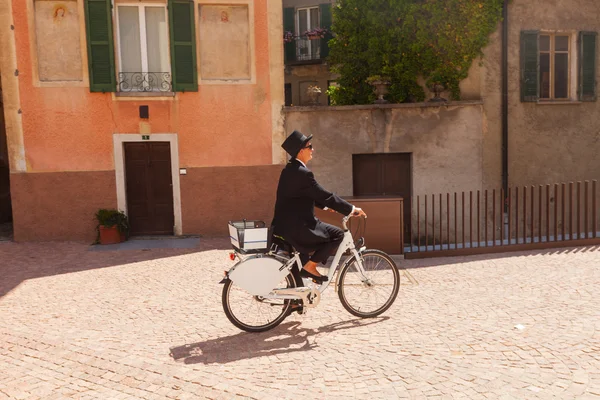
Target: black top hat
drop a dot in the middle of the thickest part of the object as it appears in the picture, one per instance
(295, 142)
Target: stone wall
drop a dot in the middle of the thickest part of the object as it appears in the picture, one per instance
(301, 76)
(445, 142)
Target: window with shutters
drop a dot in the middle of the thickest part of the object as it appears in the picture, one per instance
(558, 66)
(307, 19)
(153, 50)
(143, 48)
(311, 28)
(554, 66)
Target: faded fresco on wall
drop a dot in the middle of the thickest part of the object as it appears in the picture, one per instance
(58, 41)
(224, 42)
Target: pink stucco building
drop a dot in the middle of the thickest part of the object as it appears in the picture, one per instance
(168, 109)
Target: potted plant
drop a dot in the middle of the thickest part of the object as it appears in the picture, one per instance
(313, 92)
(288, 37)
(436, 85)
(113, 226)
(316, 33)
(381, 84)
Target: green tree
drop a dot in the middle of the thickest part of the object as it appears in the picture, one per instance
(404, 39)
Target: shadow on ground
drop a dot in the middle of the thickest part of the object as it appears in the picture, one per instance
(22, 261)
(434, 262)
(289, 337)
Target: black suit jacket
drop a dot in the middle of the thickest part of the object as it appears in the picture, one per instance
(297, 195)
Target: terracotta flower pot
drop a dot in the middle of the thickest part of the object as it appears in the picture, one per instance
(110, 235)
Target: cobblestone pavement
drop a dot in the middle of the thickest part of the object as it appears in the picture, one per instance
(149, 325)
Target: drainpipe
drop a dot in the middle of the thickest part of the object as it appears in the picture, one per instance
(505, 102)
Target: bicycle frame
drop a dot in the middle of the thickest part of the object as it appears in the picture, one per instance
(305, 293)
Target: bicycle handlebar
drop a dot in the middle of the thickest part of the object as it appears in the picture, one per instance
(345, 221)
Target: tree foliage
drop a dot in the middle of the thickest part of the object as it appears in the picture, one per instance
(404, 39)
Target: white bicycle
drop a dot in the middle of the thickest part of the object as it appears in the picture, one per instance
(263, 288)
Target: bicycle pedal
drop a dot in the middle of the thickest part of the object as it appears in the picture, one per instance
(300, 311)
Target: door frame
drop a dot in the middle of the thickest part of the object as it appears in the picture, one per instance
(118, 140)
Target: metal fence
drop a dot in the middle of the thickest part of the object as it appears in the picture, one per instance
(489, 221)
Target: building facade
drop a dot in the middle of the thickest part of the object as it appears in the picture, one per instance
(552, 110)
(546, 133)
(306, 66)
(169, 110)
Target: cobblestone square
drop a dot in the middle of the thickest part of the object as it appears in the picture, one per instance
(79, 324)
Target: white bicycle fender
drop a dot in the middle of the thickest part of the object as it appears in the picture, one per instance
(258, 276)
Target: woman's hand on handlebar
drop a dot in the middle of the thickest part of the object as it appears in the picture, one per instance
(358, 212)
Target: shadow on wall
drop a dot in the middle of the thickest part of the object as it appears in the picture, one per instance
(5, 203)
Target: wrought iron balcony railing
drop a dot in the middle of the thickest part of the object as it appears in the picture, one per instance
(145, 82)
(308, 50)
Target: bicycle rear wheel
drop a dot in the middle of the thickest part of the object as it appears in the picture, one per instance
(369, 295)
(255, 313)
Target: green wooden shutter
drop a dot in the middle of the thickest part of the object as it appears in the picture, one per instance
(183, 46)
(289, 24)
(325, 23)
(529, 66)
(587, 66)
(101, 54)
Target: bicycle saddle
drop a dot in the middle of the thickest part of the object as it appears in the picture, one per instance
(283, 245)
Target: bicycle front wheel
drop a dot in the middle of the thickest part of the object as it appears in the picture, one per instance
(255, 313)
(371, 294)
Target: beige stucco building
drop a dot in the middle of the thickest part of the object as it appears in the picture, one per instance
(547, 130)
(552, 137)
(305, 58)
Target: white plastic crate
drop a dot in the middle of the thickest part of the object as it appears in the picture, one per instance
(249, 236)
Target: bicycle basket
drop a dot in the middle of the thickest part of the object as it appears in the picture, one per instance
(250, 236)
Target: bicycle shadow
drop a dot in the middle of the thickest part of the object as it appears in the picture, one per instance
(289, 337)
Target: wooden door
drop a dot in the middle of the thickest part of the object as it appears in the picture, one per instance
(386, 174)
(149, 188)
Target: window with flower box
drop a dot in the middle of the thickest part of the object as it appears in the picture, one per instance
(307, 31)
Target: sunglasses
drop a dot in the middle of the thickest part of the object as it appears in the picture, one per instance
(308, 147)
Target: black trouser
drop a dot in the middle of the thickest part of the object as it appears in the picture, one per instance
(322, 251)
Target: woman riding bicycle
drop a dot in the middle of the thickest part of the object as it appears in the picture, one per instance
(297, 195)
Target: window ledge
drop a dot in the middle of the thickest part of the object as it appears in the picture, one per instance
(144, 94)
(558, 102)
